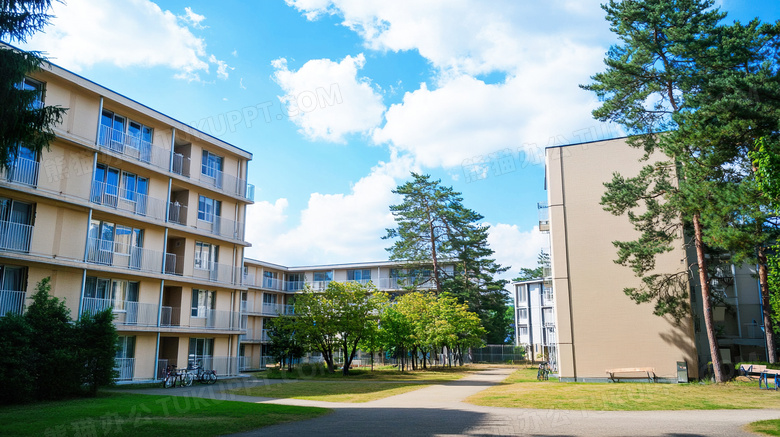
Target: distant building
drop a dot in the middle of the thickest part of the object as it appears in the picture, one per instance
(535, 319)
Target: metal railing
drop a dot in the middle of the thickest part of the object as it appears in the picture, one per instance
(272, 284)
(126, 200)
(15, 236)
(23, 171)
(116, 254)
(752, 330)
(401, 283)
(224, 366)
(11, 301)
(172, 265)
(215, 272)
(225, 182)
(215, 319)
(125, 367)
(133, 147)
(181, 164)
(125, 312)
(177, 213)
(170, 316)
(277, 309)
(222, 226)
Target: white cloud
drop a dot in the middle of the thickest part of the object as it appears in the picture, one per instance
(516, 248)
(465, 117)
(334, 227)
(222, 67)
(126, 33)
(192, 18)
(327, 100)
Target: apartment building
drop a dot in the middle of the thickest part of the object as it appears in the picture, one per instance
(599, 327)
(535, 319)
(130, 209)
(270, 290)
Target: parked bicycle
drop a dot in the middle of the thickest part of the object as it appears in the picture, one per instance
(201, 375)
(544, 371)
(173, 376)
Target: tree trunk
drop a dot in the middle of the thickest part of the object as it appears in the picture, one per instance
(705, 300)
(763, 279)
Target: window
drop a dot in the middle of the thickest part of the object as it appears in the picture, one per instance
(269, 279)
(547, 314)
(35, 87)
(269, 299)
(201, 349)
(203, 301)
(548, 294)
(211, 166)
(208, 209)
(323, 276)
(522, 313)
(522, 331)
(125, 357)
(295, 281)
(206, 255)
(107, 240)
(101, 293)
(134, 188)
(23, 165)
(13, 283)
(363, 275)
(125, 136)
(522, 296)
(15, 224)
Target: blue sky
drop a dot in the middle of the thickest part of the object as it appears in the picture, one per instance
(339, 100)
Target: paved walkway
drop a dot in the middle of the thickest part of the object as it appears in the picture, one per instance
(439, 410)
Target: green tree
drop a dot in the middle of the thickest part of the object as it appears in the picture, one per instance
(16, 359)
(670, 74)
(542, 261)
(285, 344)
(338, 318)
(24, 120)
(96, 339)
(434, 229)
(766, 161)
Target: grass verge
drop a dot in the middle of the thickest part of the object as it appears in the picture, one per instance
(768, 427)
(389, 373)
(330, 391)
(124, 414)
(520, 390)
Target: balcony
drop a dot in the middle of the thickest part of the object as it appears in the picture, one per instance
(226, 183)
(294, 285)
(265, 283)
(23, 171)
(172, 265)
(177, 213)
(133, 147)
(125, 312)
(15, 236)
(181, 165)
(125, 368)
(215, 272)
(130, 201)
(11, 301)
(115, 254)
(544, 217)
(277, 309)
(222, 227)
(403, 283)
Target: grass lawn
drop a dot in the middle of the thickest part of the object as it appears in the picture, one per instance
(521, 390)
(331, 391)
(388, 373)
(768, 427)
(124, 414)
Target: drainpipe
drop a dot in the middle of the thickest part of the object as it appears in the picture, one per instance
(159, 320)
(81, 298)
(100, 116)
(86, 246)
(168, 202)
(165, 251)
(173, 141)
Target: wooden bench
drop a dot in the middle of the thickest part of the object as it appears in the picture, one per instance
(769, 375)
(648, 371)
(751, 370)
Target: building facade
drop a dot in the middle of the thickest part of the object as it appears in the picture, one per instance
(535, 319)
(599, 327)
(130, 209)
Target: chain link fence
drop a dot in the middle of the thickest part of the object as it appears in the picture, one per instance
(498, 354)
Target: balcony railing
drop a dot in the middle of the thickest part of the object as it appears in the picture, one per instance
(244, 306)
(170, 316)
(125, 200)
(215, 319)
(133, 147)
(752, 330)
(222, 226)
(177, 213)
(15, 236)
(274, 309)
(125, 367)
(402, 283)
(11, 301)
(125, 312)
(294, 285)
(116, 254)
(227, 183)
(264, 336)
(23, 171)
(224, 366)
(215, 272)
(172, 265)
(181, 164)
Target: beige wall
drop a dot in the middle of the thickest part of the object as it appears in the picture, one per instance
(599, 327)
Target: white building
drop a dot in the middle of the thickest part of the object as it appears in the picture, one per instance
(535, 319)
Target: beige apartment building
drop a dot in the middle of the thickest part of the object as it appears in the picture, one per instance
(598, 326)
(133, 210)
(271, 289)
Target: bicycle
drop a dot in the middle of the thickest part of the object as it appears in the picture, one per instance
(544, 370)
(172, 376)
(201, 375)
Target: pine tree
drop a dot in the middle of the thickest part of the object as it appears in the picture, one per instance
(24, 120)
(678, 70)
